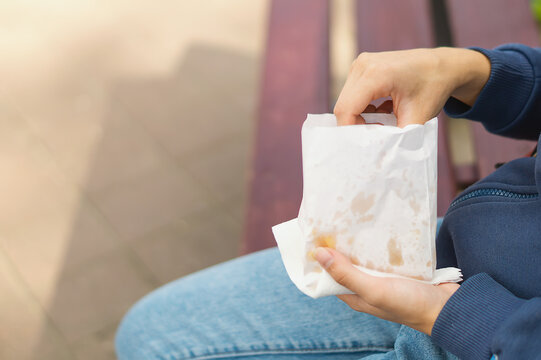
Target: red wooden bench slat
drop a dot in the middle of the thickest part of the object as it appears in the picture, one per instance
(295, 82)
(489, 23)
(447, 184)
(466, 174)
(393, 25)
(403, 24)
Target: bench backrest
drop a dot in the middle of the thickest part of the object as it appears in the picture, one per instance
(295, 82)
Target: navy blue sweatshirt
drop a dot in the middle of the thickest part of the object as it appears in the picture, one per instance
(493, 231)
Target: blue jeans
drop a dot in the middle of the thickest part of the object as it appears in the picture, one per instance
(248, 308)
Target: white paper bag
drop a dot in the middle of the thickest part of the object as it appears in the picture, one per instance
(370, 192)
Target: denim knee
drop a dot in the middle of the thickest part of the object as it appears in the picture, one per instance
(135, 334)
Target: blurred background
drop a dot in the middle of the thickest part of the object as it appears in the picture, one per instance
(125, 129)
(128, 143)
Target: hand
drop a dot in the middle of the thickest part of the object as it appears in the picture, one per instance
(408, 302)
(419, 81)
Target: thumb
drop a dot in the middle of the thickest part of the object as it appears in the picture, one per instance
(340, 269)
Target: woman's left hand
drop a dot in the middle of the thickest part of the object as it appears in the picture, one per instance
(408, 302)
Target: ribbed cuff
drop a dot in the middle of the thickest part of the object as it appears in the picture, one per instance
(468, 321)
(497, 107)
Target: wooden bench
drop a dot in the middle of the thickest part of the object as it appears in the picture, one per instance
(296, 82)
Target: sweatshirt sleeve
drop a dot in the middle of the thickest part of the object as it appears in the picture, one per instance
(510, 102)
(483, 319)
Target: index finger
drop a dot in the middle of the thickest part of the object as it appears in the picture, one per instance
(351, 103)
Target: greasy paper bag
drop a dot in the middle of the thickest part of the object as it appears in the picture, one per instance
(370, 192)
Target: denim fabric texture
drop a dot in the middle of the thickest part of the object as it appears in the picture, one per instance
(248, 308)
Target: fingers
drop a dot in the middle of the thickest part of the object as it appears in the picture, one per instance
(411, 114)
(341, 270)
(355, 99)
(372, 290)
(357, 93)
(370, 109)
(414, 78)
(359, 120)
(350, 105)
(358, 304)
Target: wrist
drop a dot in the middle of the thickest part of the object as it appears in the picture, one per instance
(444, 291)
(468, 71)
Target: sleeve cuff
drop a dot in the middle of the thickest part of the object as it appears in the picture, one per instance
(497, 107)
(468, 321)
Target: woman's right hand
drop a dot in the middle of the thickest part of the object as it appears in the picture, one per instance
(419, 81)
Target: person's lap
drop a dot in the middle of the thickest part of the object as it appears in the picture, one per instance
(249, 308)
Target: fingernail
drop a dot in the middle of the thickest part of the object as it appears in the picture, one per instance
(324, 257)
